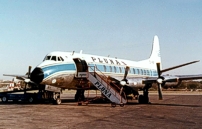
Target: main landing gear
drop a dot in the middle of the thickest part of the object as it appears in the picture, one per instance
(79, 96)
(144, 99)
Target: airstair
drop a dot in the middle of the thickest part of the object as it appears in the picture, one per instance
(109, 89)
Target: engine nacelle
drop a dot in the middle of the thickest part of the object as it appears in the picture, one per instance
(123, 83)
(171, 84)
(135, 83)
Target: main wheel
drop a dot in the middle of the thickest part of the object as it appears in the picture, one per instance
(57, 101)
(31, 100)
(143, 99)
(122, 105)
(4, 99)
(79, 103)
(113, 104)
(76, 97)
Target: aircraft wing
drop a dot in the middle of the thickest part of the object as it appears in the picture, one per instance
(189, 77)
(173, 78)
(167, 78)
(20, 77)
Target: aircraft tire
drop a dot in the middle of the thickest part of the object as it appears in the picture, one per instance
(113, 104)
(79, 103)
(57, 101)
(143, 99)
(76, 97)
(122, 105)
(4, 99)
(31, 100)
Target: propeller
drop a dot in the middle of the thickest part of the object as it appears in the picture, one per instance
(28, 76)
(126, 73)
(29, 71)
(159, 81)
(124, 81)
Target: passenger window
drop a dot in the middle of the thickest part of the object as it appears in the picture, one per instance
(145, 73)
(101, 68)
(148, 72)
(96, 68)
(123, 70)
(117, 70)
(105, 68)
(110, 68)
(134, 71)
(53, 58)
(155, 73)
(141, 71)
(120, 69)
(138, 71)
(129, 70)
(59, 59)
(47, 57)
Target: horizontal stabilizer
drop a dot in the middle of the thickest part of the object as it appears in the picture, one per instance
(178, 66)
(20, 77)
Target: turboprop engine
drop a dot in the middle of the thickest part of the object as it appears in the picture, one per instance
(171, 84)
(137, 83)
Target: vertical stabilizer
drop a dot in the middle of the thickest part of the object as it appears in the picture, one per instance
(155, 56)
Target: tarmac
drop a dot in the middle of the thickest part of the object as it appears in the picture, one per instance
(176, 110)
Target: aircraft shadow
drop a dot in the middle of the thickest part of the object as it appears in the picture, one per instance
(180, 105)
(97, 101)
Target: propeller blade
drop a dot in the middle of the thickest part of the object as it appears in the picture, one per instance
(158, 69)
(159, 80)
(29, 71)
(160, 91)
(126, 72)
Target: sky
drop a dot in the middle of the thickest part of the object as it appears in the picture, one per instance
(120, 28)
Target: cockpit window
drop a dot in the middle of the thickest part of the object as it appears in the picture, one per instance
(47, 58)
(61, 58)
(53, 58)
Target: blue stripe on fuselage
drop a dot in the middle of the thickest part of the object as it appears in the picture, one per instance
(49, 70)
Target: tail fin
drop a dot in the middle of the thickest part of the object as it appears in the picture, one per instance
(155, 56)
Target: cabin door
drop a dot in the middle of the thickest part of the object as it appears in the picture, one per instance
(81, 65)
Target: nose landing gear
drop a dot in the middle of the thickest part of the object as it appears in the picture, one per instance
(56, 99)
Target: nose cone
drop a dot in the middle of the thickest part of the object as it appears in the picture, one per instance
(37, 75)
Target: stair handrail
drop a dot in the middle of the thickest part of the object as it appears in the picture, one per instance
(105, 77)
(95, 69)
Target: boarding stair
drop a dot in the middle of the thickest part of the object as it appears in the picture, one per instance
(109, 89)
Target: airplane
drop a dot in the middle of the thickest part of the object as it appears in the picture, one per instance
(65, 69)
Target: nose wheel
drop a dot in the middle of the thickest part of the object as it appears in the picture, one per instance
(56, 99)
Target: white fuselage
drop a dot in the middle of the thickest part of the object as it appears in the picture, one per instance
(60, 69)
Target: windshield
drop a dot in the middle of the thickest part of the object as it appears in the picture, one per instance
(53, 58)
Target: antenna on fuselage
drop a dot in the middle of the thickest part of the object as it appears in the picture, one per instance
(72, 53)
(81, 51)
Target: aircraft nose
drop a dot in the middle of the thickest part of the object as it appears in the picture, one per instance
(37, 75)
